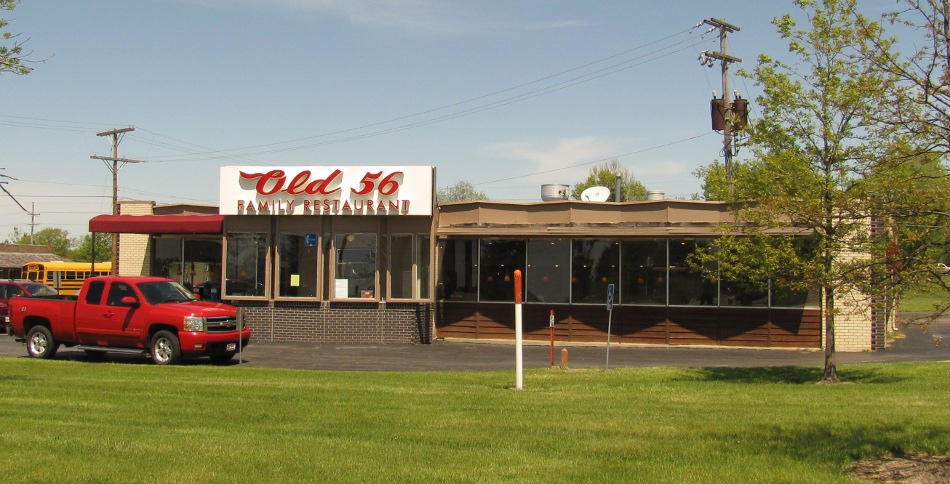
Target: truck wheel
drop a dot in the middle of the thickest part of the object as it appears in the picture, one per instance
(40, 343)
(166, 350)
(222, 358)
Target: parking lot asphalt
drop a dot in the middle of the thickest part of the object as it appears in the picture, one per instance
(915, 345)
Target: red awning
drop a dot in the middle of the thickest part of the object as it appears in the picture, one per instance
(157, 224)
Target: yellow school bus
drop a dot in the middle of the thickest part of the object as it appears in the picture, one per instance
(65, 277)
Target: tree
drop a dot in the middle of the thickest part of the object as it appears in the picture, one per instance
(83, 248)
(606, 175)
(56, 239)
(920, 109)
(823, 165)
(921, 104)
(11, 56)
(716, 184)
(460, 192)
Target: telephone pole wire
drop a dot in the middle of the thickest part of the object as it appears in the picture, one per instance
(115, 137)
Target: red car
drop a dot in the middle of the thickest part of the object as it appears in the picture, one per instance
(10, 288)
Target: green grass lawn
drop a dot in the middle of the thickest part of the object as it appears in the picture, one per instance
(923, 299)
(82, 422)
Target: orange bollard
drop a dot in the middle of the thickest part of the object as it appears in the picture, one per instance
(564, 359)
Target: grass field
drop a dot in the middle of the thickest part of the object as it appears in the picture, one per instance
(924, 299)
(81, 422)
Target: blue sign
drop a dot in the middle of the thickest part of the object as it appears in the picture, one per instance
(610, 297)
(311, 240)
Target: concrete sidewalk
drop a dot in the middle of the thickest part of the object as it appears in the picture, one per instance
(458, 355)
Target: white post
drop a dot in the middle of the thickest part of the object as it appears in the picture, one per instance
(519, 353)
(610, 314)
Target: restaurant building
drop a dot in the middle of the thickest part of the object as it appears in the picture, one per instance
(366, 255)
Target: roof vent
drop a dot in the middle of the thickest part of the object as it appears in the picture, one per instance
(655, 195)
(553, 192)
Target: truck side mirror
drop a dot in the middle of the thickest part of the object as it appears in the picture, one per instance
(129, 301)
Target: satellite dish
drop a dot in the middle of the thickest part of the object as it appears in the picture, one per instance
(595, 194)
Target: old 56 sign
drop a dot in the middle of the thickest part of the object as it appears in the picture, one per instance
(322, 190)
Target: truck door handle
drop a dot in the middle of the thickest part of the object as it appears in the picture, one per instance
(108, 315)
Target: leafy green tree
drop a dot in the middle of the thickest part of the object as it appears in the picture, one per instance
(83, 248)
(715, 184)
(460, 192)
(11, 50)
(606, 175)
(56, 239)
(920, 109)
(823, 165)
(921, 103)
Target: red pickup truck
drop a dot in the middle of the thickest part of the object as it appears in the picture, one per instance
(142, 315)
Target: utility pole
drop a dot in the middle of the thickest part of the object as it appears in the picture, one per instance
(32, 213)
(709, 58)
(115, 137)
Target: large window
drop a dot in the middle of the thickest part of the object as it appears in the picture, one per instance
(195, 262)
(168, 257)
(459, 277)
(297, 274)
(423, 254)
(246, 273)
(643, 271)
(787, 294)
(498, 261)
(400, 266)
(408, 266)
(578, 271)
(355, 266)
(549, 271)
(687, 285)
(741, 293)
(595, 265)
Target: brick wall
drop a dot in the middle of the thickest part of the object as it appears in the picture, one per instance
(854, 317)
(339, 322)
(853, 324)
(134, 251)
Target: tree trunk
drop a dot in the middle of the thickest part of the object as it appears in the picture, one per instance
(831, 369)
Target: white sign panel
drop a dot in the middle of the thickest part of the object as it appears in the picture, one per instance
(323, 190)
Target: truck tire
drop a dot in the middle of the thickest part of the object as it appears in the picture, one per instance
(166, 349)
(40, 343)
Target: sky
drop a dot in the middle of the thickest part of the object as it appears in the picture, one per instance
(505, 94)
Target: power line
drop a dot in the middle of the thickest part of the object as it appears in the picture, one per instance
(63, 196)
(586, 163)
(50, 124)
(594, 75)
(274, 147)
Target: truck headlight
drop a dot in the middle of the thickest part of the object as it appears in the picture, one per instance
(194, 323)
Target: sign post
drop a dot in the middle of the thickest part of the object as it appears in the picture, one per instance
(551, 330)
(519, 354)
(610, 313)
(240, 330)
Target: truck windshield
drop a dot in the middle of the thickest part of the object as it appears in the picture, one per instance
(165, 292)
